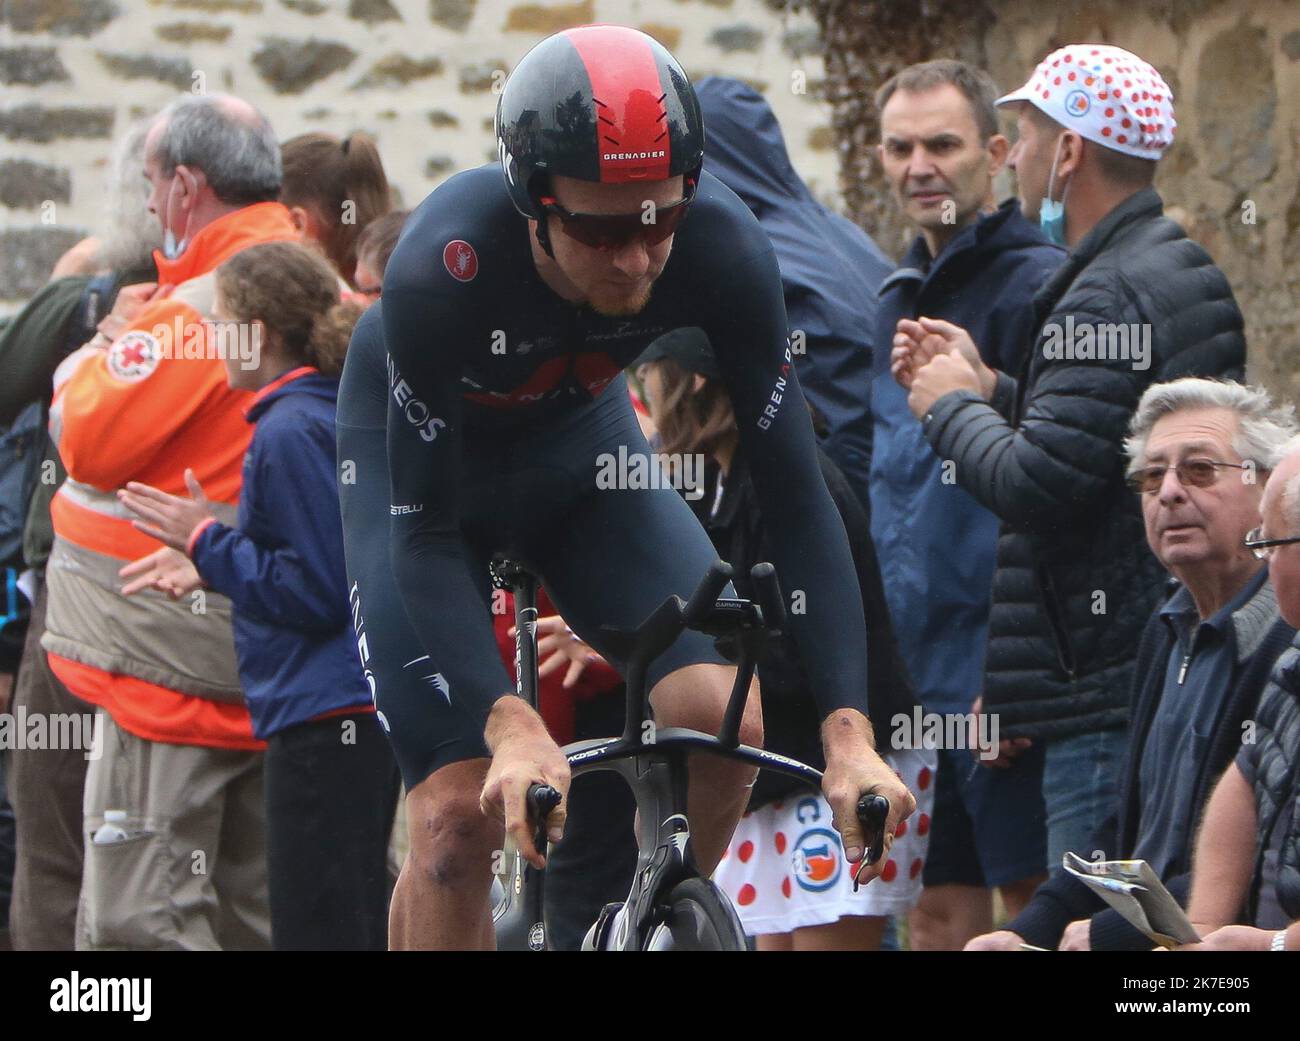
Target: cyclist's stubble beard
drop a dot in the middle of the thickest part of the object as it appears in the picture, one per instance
(620, 305)
(590, 277)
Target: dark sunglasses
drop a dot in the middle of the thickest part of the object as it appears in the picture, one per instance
(605, 231)
(1192, 473)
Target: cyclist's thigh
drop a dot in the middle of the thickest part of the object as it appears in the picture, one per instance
(620, 552)
(427, 731)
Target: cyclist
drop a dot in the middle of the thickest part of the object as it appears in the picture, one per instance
(505, 413)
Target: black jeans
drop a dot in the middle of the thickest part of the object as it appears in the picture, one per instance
(331, 792)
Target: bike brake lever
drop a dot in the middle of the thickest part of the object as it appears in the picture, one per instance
(541, 800)
(873, 812)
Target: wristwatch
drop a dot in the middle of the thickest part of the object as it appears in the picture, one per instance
(1279, 941)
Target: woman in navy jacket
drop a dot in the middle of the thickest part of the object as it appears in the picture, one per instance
(331, 782)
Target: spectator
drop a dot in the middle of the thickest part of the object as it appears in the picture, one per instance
(331, 780)
(179, 761)
(1203, 659)
(977, 265)
(333, 190)
(375, 245)
(1247, 865)
(830, 268)
(46, 785)
(1135, 303)
(795, 896)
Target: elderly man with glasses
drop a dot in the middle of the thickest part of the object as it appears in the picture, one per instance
(1246, 878)
(1200, 451)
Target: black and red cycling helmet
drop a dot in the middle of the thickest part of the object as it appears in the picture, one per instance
(600, 103)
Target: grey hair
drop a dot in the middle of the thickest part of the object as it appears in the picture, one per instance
(239, 156)
(131, 233)
(1263, 429)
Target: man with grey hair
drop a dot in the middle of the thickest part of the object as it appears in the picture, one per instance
(1198, 450)
(173, 812)
(1246, 873)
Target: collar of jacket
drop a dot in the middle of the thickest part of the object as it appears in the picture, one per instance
(224, 237)
(1139, 207)
(1250, 622)
(263, 398)
(917, 264)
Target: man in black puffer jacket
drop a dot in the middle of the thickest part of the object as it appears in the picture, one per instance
(1136, 302)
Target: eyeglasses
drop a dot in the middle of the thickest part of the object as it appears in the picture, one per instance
(1262, 547)
(1192, 473)
(606, 231)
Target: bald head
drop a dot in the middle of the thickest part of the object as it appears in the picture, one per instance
(1281, 513)
(225, 138)
(1282, 495)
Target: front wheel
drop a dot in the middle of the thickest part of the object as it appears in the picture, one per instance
(700, 918)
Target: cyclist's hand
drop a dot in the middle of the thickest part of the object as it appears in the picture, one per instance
(564, 646)
(523, 753)
(1077, 936)
(853, 769)
(1002, 940)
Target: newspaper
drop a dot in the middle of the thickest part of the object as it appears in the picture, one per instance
(1134, 890)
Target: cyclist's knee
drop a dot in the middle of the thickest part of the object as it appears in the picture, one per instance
(696, 697)
(452, 842)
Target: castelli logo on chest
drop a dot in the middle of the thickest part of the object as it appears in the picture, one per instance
(461, 261)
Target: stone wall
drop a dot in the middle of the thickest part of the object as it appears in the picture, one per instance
(1232, 177)
(418, 74)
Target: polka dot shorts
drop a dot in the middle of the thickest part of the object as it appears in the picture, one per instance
(785, 868)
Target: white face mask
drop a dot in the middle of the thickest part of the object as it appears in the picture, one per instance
(171, 249)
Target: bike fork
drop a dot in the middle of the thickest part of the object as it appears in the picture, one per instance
(665, 855)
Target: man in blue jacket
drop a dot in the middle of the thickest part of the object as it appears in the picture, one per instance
(979, 266)
(830, 268)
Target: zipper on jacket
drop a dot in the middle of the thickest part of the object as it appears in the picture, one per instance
(1064, 653)
(1182, 669)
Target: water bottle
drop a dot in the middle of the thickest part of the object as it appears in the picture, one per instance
(112, 830)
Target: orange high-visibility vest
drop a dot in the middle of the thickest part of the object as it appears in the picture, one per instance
(150, 405)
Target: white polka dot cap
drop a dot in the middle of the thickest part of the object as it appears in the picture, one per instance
(1104, 94)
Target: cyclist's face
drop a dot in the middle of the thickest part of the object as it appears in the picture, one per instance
(1199, 528)
(1281, 522)
(614, 281)
(931, 153)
